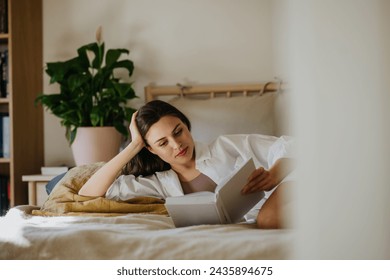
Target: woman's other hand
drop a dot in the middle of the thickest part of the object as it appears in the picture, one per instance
(260, 180)
(265, 180)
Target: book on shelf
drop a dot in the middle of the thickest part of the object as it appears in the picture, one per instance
(4, 195)
(224, 206)
(4, 69)
(53, 170)
(1, 135)
(3, 16)
(4, 135)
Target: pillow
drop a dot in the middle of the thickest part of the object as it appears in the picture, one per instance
(64, 198)
(211, 118)
(53, 182)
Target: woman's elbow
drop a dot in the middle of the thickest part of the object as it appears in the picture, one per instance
(82, 192)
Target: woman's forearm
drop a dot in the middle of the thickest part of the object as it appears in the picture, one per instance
(99, 182)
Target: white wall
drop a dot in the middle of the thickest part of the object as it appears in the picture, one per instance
(337, 60)
(170, 41)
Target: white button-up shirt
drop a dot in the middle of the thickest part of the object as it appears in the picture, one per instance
(216, 160)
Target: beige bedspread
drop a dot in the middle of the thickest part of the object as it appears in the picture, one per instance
(133, 236)
(70, 226)
(65, 200)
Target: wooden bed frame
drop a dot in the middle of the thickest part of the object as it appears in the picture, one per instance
(227, 90)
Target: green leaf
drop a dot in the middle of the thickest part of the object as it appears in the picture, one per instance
(113, 56)
(129, 113)
(124, 90)
(97, 50)
(122, 129)
(78, 80)
(127, 64)
(70, 134)
(95, 116)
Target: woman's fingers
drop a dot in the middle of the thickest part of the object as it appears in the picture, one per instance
(133, 125)
(256, 173)
(134, 131)
(259, 180)
(132, 122)
(255, 181)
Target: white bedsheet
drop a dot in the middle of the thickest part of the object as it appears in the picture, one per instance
(133, 236)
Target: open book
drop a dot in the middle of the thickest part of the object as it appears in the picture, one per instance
(225, 205)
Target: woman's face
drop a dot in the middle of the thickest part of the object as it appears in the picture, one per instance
(170, 139)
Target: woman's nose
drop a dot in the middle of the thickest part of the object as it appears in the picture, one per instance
(177, 144)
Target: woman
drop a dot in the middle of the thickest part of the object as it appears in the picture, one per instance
(163, 160)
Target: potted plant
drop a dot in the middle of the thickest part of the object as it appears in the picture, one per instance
(91, 97)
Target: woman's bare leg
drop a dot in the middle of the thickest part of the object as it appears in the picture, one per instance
(271, 214)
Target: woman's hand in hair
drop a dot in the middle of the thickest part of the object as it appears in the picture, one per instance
(136, 137)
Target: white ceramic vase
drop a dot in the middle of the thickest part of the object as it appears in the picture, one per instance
(95, 144)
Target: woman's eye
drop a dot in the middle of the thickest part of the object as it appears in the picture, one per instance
(164, 143)
(178, 132)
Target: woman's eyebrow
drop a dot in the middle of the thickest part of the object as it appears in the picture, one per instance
(175, 127)
(162, 138)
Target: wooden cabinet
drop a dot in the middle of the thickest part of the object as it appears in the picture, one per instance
(23, 40)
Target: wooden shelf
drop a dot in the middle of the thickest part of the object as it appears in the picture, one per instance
(25, 79)
(4, 100)
(5, 160)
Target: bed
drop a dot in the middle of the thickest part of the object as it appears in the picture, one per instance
(69, 226)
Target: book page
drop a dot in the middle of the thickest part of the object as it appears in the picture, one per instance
(193, 209)
(184, 213)
(192, 198)
(230, 199)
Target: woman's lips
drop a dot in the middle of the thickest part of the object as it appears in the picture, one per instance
(182, 152)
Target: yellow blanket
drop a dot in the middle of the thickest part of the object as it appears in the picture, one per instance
(64, 199)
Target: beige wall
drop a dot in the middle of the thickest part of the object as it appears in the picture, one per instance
(338, 65)
(170, 41)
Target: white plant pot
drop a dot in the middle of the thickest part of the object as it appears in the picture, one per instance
(95, 144)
